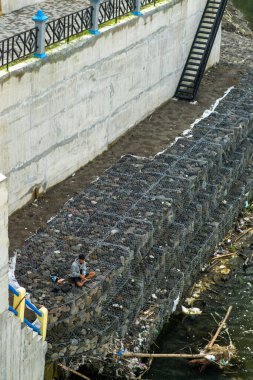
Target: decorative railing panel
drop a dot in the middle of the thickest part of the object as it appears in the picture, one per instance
(147, 2)
(125, 7)
(107, 11)
(18, 46)
(112, 9)
(65, 27)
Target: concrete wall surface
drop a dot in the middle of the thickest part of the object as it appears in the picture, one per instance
(22, 352)
(59, 113)
(13, 5)
(4, 243)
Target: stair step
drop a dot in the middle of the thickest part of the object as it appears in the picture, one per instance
(189, 75)
(193, 71)
(205, 33)
(207, 22)
(200, 43)
(209, 17)
(195, 53)
(190, 65)
(194, 59)
(199, 48)
(211, 14)
(184, 86)
(197, 63)
(206, 27)
(202, 38)
(187, 81)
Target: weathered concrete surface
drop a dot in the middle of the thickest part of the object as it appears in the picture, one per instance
(147, 226)
(22, 352)
(59, 113)
(4, 243)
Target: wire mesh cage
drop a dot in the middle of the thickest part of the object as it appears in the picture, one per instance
(146, 227)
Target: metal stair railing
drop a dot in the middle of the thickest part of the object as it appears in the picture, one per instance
(200, 50)
(18, 308)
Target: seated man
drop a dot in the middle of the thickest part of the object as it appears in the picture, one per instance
(79, 271)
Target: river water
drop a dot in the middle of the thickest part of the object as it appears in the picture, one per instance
(194, 331)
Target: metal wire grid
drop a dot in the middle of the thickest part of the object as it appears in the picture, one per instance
(134, 243)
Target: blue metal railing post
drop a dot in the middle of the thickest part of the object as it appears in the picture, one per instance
(95, 16)
(137, 8)
(40, 22)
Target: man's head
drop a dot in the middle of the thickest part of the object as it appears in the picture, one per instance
(81, 258)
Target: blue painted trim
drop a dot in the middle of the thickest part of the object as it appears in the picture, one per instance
(13, 310)
(136, 13)
(32, 326)
(40, 16)
(94, 32)
(13, 290)
(33, 307)
(41, 56)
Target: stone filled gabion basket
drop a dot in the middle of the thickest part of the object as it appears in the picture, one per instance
(147, 227)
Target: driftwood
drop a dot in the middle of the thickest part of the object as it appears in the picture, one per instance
(140, 355)
(212, 341)
(244, 233)
(212, 353)
(220, 257)
(67, 369)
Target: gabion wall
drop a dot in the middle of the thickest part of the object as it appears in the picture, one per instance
(147, 226)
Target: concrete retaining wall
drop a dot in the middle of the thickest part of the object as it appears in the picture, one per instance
(147, 227)
(59, 113)
(22, 352)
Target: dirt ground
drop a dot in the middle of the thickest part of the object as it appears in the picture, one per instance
(145, 139)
